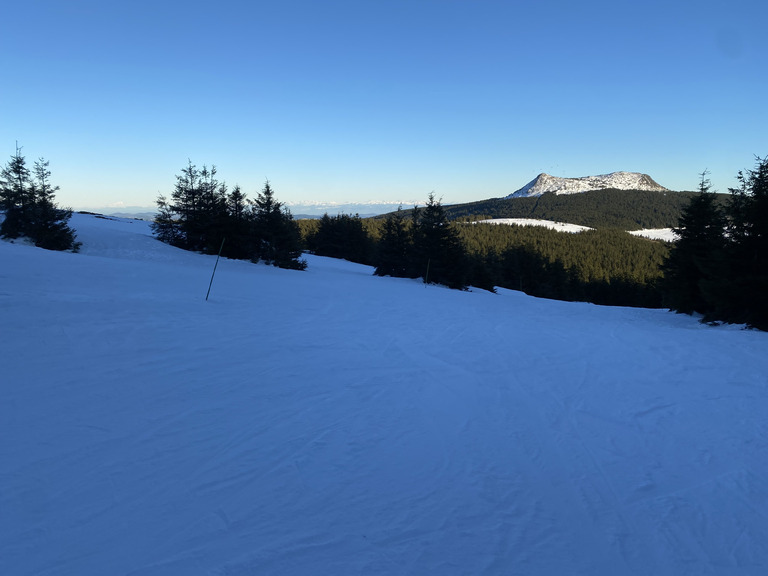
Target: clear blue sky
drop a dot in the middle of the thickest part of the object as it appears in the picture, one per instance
(362, 100)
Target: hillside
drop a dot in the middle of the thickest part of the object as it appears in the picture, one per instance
(333, 422)
(625, 209)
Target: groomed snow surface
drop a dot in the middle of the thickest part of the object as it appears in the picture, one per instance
(332, 422)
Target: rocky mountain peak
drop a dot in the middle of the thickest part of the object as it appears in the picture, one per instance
(544, 183)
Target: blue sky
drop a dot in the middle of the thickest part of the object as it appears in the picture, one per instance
(380, 100)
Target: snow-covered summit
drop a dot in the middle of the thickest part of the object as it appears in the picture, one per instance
(544, 183)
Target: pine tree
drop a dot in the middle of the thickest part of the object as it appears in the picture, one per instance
(747, 281)
(342, 236)
(196, 218)
(29, 205)
(166, 226)
(237, 204)
(212, 213)
(183, 208)
(49, 224)
(239, 243)
(395, 247)
(276, 237)
(16, 197)
(438, 249)
(696, 263)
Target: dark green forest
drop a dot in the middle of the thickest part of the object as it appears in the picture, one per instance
(606, 266)
(623, 209)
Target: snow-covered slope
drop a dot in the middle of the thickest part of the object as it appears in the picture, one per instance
(544, 183)
(332, 422)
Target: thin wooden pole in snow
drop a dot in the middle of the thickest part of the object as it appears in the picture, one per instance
(214, 268)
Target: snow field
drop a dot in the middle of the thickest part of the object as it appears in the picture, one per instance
(552, 225)
(332, 422)
(666, 234)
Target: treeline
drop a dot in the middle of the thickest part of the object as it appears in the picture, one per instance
(623, 209)
(27, 200)
(719, 266)
(600, 266)
(204, 216)
(423, 245)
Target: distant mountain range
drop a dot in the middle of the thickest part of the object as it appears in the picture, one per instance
(544, 183)
(363, 209)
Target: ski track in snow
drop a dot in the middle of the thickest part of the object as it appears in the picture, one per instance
(332, 422)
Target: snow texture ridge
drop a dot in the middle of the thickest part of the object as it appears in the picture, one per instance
(544, 183)
(333, 422)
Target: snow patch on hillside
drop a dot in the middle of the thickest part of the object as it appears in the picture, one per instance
(559, 226)
(666, 234)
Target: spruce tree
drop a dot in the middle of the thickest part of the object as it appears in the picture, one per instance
(29, 205)
(196, 217)
(438, 249)
(166, 226)
(239, 244)
(16, 197)
(212, 214)
(747, 281)
(395, 247)
(342, 236)
(49, 224)
(182, 209)
(696, 263)
(276, 237)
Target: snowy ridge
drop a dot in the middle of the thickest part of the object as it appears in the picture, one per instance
(333, 422)
(544, 183)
